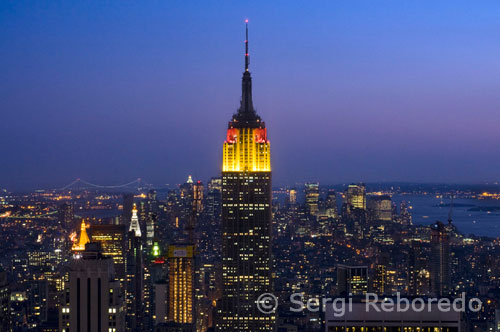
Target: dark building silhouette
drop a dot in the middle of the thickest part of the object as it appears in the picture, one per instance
(93, 300)
(66, 216)
(128, 204)
(134, 295)
(440, 260)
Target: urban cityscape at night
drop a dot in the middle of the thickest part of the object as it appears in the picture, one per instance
(139, 190)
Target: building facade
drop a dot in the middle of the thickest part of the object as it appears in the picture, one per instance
(246, 218)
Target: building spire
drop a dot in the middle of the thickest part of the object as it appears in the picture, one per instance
(246, 113)
(247, 56)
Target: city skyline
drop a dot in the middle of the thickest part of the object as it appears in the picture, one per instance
(232, 249)
(395, 92)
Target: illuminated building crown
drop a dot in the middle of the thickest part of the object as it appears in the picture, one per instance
(83, 240)
(134, 223)
(246, 148)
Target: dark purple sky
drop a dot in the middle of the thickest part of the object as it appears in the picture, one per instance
(350, 90)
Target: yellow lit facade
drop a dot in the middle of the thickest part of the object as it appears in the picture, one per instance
(181, 277)
(246, 149)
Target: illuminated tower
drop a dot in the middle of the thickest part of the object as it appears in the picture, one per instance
(83, 240)
(246, 217)
(134, 223)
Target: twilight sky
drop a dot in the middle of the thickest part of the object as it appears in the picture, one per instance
(350, 90)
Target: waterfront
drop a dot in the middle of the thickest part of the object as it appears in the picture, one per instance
(471, 216)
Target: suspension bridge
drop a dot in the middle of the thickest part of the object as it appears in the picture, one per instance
(82, 184)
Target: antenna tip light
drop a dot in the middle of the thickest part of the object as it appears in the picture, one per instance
(246, 21)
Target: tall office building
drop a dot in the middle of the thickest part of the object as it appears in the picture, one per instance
(213, 201)
(312, 198)
(150, 207)
(128, 204)
(181, 286)
(331, 204)
(440, 260)
(66, 215)
(246, 217)
(198, 197)
(418, 271)
(92, 300)
(352, 280)
(113, 244)
(380, 208)
(355, 196)
(134, 295)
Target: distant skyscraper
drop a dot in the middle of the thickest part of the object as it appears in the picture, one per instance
(355, 195)
(213, 208)
(128, 204)
(380, 208)
(150, 207)
(440, 259)
(352, 280)
(419, 279)
(93, 300)
(404, 214)
(331, 204)
(66, 215)
(292, 196)
(246, 218)
(198, 196)
(312, 198)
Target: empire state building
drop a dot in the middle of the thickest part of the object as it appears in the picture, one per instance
(246, 217)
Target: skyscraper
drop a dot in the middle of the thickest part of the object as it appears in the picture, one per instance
(312, 198)
(380, 208)
(440, 259)
(246, 217)
(355, 196)
(181, 286)
(112, 239)
(418, 271)
(66, 215)
(150, 207)
(134, 295)
(93, 300)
